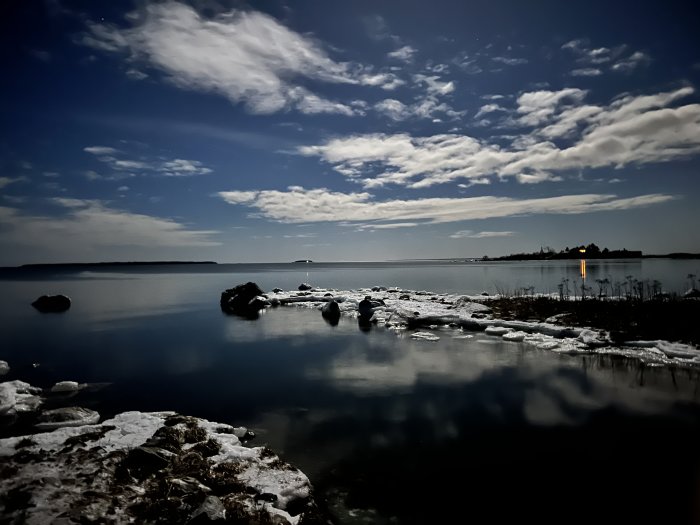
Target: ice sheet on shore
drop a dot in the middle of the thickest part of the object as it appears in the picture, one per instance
(140, 466)
(408, 309)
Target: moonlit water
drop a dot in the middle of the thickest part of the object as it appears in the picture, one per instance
(390, 429)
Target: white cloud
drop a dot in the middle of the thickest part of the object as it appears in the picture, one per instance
(245, 55)
(594, 58)
(387, 81)
(300, 236)
(632, 62)
(183, 168)
(405, 53)
(387, 226)
(586, 72)
(630, 130)
(537, 107)
(393, 109)
(93, 175)
(599, 55)
(101, 150)
(91, 226)
(575, 45)
(168, 168)
(510, 61)
(299, 205)
(6, 181)
(488, 108)
(469, 234)
(426, 108)
(434, 85)
(135, 74)
(123, 188)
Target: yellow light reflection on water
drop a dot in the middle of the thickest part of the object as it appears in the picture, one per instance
(583, 269)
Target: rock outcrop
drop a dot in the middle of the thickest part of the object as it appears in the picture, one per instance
(245, 300)
(52, 303)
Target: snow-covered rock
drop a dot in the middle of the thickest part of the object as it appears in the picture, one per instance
(66, 386)
(17, 397)
(4, 367)
(148, 467)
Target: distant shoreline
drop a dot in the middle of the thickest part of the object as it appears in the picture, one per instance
(71, 266)
(506, 258)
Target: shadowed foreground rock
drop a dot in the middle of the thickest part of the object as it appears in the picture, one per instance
(52, 303)
(149, 468)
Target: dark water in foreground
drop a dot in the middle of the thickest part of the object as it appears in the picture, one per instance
(390, 429)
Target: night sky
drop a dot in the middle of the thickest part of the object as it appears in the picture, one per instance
(355, 130)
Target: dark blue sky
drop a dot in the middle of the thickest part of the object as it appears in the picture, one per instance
(273, 131)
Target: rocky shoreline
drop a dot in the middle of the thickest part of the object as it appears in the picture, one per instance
(138, 467)
(403, 310)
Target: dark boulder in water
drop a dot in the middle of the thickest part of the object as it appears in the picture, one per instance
(365, 307)
(245, 300)
(305, 286)
(331, 312)
(52, 303)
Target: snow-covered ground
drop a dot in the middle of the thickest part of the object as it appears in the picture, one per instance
(413, 310)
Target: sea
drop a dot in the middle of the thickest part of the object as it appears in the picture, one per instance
(389, 429)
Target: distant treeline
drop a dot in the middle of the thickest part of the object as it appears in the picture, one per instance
(71, 266)
(577, 252)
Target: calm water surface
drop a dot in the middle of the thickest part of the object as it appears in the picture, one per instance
(390, 429)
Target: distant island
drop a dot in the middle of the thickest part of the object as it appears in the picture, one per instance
(304, 261)
(577, 252)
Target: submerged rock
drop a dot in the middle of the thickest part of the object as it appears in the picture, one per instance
(149, 468)
(245, 300)
(52, 303)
